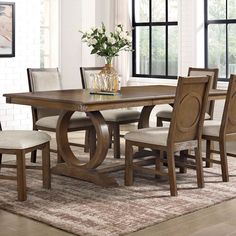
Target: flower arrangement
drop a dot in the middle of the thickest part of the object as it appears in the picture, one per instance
(107, 44)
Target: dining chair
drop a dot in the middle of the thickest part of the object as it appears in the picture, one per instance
(20, 142)
(45, 79)
(222, 131)
(165, 115)
(114, 118)
(184, 133)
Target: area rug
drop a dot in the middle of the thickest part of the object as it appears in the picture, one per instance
(83, 208)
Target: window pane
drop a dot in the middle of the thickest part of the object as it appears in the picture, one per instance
(142, 50)
(158, 10)
(216, 9)
(172, 10)
(142, 10)
(231, 9)
(158, 50)
(173, 50)
(45, 6)
(232, 49)
(217, 48)
(45, 41)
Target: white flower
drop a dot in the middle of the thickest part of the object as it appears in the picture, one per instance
(100, 30)
(111, 40)
(123, 35)
(129, 38)
(89, 32)
(94, 41)
(118, 29)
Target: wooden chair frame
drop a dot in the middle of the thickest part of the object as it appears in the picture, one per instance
(211, 104)
(180, 136)
(53, 112)
(21, 167)
(227, 132)
(114, 126)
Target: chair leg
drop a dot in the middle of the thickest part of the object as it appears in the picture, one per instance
(183, 169)
(86, 141)
(21, 176)
(158, 164)
(209, 154)
(110, 129)
(116, 130)
(46, 166)
(0, 160)
(171, 173)
(129, 172)
(224, 162)
(199, 167)
(33, 156)
(159, 122)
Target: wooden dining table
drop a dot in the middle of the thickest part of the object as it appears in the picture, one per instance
(69, 101)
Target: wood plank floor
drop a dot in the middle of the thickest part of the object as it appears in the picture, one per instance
(219, 220)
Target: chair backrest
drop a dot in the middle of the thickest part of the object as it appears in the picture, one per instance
(189, 109)
(43, 79)
(228, 123)
(87, 76)
(204, 72)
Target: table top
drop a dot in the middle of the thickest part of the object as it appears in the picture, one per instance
(82, 100)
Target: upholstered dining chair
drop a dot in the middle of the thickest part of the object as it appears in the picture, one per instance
(20, 142)
(114, 118)
(165, 115)
(222, 131)
(184, 133)
(46, 119)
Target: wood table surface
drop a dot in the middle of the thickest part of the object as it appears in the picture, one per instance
(70, 101)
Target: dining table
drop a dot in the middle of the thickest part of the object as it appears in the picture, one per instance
(69, 101)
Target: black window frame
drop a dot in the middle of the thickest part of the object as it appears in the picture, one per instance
(220, 21)
(150, 24)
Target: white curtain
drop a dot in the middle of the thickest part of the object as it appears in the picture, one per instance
(121, 15)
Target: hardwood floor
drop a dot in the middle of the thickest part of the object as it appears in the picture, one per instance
(217, 220)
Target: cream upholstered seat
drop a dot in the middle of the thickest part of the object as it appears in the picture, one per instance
(114, 118)
(165, 115)
(77, 120)
(120, 115)
(211, 127)
(22, 139)
(222, 131)
(20, 142)
(46, 119)
(155, 135)
(184, 134)
(168, 114)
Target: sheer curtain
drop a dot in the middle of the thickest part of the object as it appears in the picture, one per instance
(122, 15)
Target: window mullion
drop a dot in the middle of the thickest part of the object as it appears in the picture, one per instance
(166, 39)
(150, 37)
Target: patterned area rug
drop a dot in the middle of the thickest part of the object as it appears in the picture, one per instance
(86, 209)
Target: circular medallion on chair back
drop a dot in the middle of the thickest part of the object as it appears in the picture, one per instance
(189, 112)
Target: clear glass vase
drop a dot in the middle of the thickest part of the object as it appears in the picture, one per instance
(109, 79)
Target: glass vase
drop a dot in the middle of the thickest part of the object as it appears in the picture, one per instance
(109, 79)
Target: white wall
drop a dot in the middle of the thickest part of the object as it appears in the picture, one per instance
(13, 77)
(80, 15)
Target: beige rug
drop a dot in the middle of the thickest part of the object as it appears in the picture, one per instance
(86, 209)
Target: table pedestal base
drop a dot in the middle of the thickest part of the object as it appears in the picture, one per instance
(90, 175)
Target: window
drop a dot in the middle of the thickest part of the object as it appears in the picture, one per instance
(49, 26)
(220, 31)
(155, 38)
